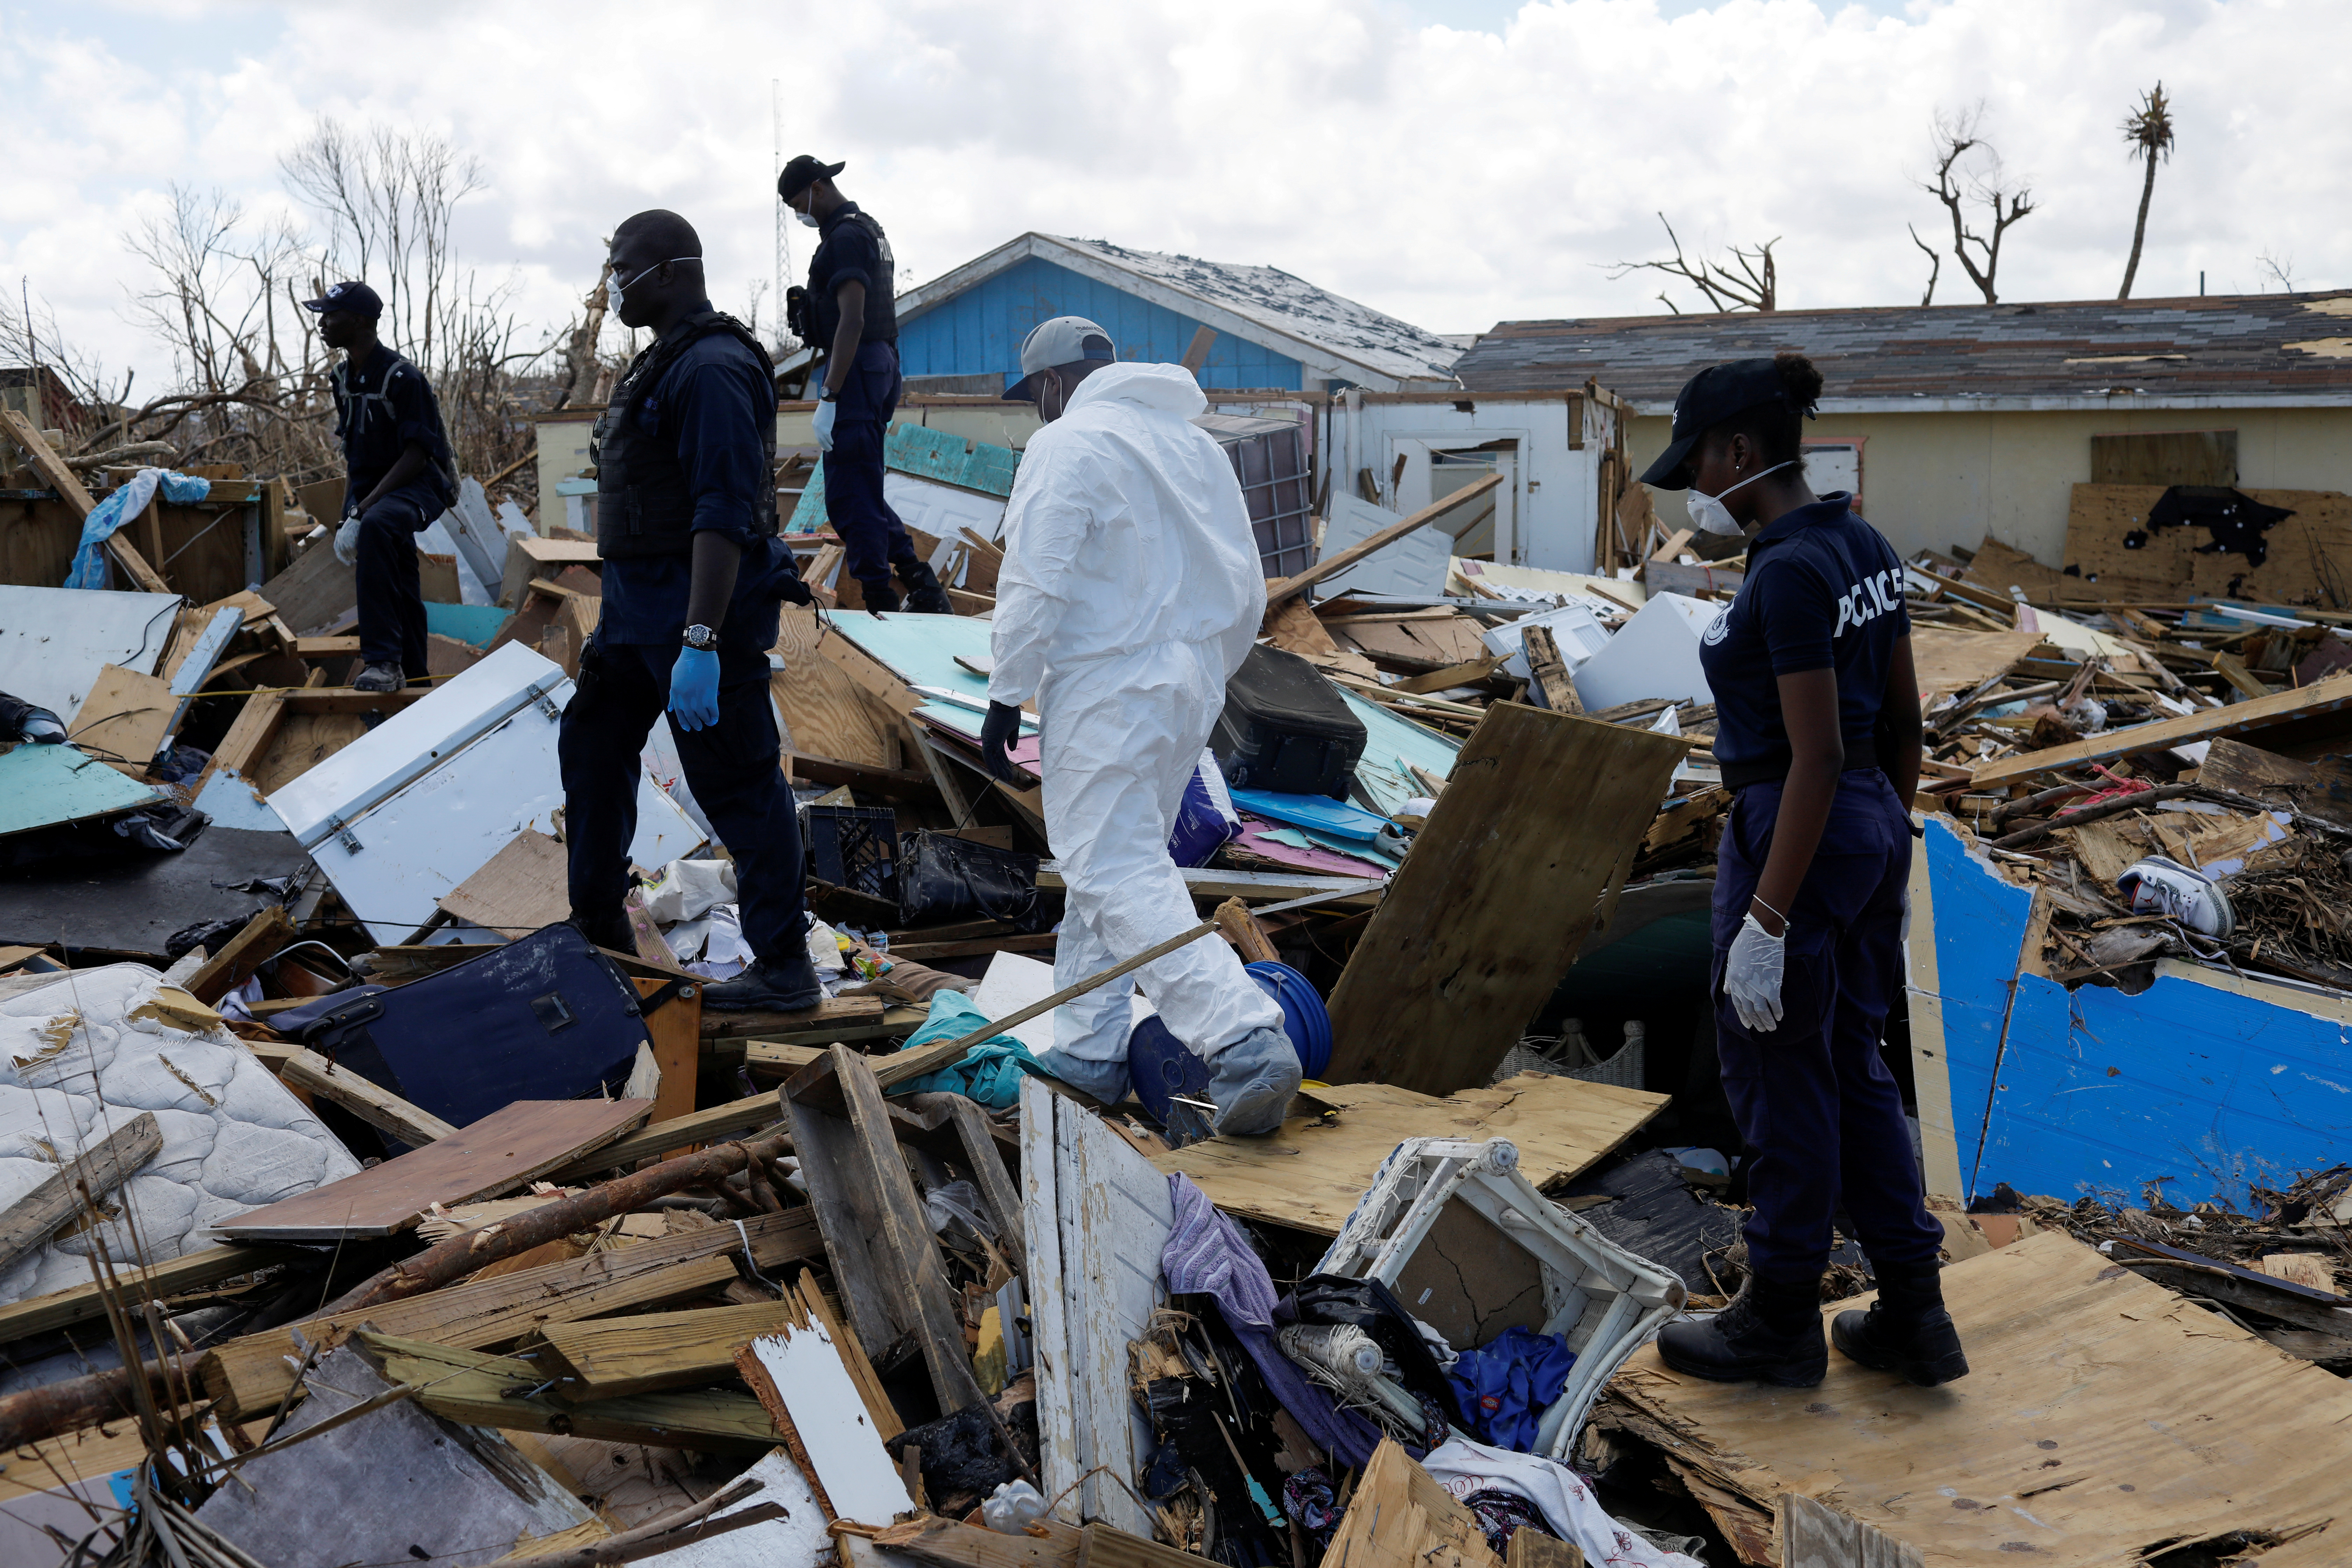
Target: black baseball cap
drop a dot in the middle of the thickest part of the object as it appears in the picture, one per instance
(355, 296)
(1707, 400)
(804, 172)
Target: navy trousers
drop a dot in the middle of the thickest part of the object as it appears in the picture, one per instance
(392, 601)
(1821, 1115)
(872, 538)
(733, 767)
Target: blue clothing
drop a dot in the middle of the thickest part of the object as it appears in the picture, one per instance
(1823, 591)
(1822, 1117)
(381, 406)
(710, 402)
(391, 595)
(1505, 1385)
(989, 1074)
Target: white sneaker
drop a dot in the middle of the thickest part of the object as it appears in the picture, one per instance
(2158, 886)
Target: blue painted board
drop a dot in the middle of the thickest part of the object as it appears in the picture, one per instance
(978, 331)
(1979, 931)
(474, 624)
(1335, 818)
(1391, 742)
(927, 454)
(44, 785)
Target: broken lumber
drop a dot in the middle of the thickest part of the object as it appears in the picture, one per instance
(69, 486)
(1550, 672)
(644, 1354)
(678, 1134)
(78, 1185)
(1332, 565)
(370, 1102)
(800, 1376)
(2332, 696)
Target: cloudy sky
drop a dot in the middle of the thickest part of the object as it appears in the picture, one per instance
(1451, 161)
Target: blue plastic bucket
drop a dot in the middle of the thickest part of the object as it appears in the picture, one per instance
(1159, 1065)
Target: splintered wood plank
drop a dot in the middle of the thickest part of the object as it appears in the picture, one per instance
(1501, 887)
(1949, 660)
(371, 1103)
(190, 1271)
(123, 720)
(2062, 1444)
(800, 1378)
(252, 1374)
(656, 1351)
(1400, 1516)
(2328, 697)
(679, 1132)
(1310, 1174)
(497, 1154)
(39, 1214)
(517, 891)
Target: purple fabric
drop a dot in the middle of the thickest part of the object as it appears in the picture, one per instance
(1206, 1254)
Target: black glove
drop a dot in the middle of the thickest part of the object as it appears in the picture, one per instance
(795, 590)
(998, 730)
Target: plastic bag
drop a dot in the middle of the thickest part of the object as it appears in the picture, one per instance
(952, 1201)
(1012, 1508)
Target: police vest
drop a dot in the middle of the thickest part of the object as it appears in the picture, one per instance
(881, 322)
(643, 504)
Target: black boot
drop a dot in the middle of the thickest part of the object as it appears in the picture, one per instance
(924, 595)
(606, 931)
(1906, 1330)
(786, 985)
(1770, 1332)
(882, 601)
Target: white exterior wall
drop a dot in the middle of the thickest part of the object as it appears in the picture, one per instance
(1545, 512)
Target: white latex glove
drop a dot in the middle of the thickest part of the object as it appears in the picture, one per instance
(1751, 975)
(827, 411)
(347, 541)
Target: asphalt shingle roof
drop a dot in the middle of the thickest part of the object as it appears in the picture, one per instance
(2241, 345)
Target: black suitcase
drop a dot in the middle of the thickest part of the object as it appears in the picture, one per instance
(546, 1016)
(1285, 728)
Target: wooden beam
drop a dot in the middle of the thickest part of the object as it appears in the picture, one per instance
(1549, 671)
(77, 1185)
(1196, 352)
(370, 1102)
(1332, 565)
(1241, 929)
(249, 950)
(2333, 695)
(616, 1357)
(189, 1271)
(679, 1132)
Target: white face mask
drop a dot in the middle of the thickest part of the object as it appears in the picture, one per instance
(808, 220)
(613, 290)
(1710, 513)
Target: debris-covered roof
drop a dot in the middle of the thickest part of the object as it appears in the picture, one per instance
(2229, 347)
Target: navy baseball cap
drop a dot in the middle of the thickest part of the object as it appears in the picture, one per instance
(1707, 400)
(804, 172)
(357, 297)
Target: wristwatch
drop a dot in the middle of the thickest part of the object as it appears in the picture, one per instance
(702, 638)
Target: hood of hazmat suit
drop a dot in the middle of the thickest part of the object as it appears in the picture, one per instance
(1130, 589)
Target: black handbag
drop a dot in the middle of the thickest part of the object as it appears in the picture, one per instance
(942, 878)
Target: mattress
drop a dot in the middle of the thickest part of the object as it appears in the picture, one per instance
(81, 1057)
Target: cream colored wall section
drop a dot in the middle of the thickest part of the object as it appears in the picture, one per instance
(1934, 480)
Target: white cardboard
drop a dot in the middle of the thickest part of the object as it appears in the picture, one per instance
(1656, 653)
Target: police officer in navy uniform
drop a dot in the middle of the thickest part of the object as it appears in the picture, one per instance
(686, 522)
(849, 312)
(1817, 729)
(399, 477)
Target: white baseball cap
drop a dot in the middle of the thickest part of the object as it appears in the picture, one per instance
(1064, 340)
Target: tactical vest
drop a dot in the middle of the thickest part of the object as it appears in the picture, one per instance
(643, 504)
(880, 324)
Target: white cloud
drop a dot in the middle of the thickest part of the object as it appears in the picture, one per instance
(1451, 175)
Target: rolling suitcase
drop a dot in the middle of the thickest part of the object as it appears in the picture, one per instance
(545, 1016)
(1285, 728)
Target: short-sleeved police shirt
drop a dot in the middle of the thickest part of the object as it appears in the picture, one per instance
(708, 403)
(853, 252)
(380, 408)
(1823, 591)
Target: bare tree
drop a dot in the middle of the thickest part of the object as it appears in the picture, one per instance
(1752, 281)
(2279, 267)
(2148, 128)
(1935, 265)
(2004, 199)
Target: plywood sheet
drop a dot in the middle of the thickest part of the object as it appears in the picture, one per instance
(2104, 1415)
(824, 712)
(1962, 661)
(1500, 889)
(497, 1154)
(122, 720)
(1310, 1174)
(520, 890)
(42, 785)
(315, 591)
(2308, 561)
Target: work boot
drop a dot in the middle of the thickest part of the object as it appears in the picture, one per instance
(924, 595)
(1251, 1082)
(1771, 1333)
(882, 601)
(786, 985)
(1906, 1330)
(381, 678)
(606, 931)
(1106, 1081)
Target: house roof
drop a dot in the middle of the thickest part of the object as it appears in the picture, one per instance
(1332, 337)
(2230, 350)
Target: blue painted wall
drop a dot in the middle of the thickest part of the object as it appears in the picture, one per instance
(980, 331)
(2091, 1090)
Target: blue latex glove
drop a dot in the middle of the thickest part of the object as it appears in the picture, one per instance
(694, 688)
(828, 412)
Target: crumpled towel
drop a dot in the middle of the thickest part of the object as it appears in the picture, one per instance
(127, 502)
(1206, 1253)
(989, 1073)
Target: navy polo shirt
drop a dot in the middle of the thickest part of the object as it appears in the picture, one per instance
(709, 403)
(853, 252)
(380, 408)
(1823, 591)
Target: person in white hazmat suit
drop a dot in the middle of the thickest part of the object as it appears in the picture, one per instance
(1130, 590)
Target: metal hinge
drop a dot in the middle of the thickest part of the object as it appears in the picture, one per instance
(541, 695)
(342, 830)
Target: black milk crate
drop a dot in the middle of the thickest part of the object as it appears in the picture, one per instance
(856, 847)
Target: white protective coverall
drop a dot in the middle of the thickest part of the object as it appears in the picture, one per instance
(1130, 590)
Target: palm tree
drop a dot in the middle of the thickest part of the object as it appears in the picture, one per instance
(2148, 128)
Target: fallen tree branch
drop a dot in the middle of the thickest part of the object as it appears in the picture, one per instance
(77, 1403)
